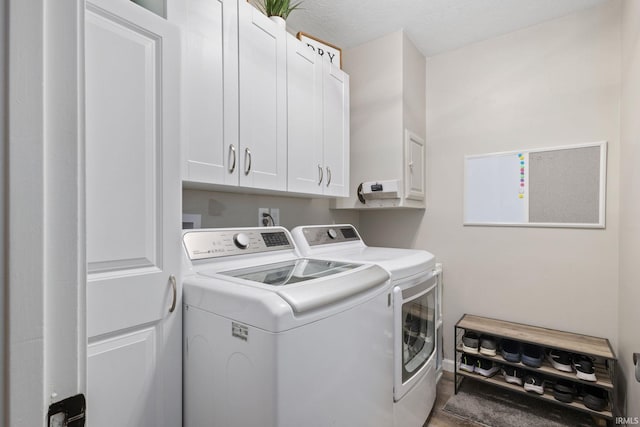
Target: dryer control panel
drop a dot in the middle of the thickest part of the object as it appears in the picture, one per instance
(214, 243)
(330, 234)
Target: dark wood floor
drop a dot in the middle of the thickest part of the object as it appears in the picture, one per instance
(438, 417)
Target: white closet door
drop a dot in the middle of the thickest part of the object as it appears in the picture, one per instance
(263, 100)
(133, 217)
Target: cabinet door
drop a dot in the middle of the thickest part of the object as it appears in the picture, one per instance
(263, 100)
(134, 353)
(304, 140)
(414, 170)
(210, 82)
(336, 130)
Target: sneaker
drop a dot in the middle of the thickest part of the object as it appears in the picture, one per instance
(594, 398)
(584, 368)
(532, 355)
(486, 368)
(561, 360)
(487, 345)
(564, 391)
(468, 363)
(470, 342)
(511, 350)
(534, 383)
(512, 375)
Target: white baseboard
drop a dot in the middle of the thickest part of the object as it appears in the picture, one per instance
(448, 365)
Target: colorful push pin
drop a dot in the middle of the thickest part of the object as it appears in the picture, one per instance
(521, 196)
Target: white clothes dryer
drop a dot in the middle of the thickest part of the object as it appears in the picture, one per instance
(416, 284)
(272, 339)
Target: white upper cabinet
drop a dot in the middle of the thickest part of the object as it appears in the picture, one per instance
(257, 113)
(263, 100)
(234, 69)
(335, 97)
(304, 85)
(210, 81)
(318, 123)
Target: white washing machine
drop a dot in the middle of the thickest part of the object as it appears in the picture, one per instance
(416, 284)
(275, 340)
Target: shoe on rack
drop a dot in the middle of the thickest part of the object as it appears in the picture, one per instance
(560, 360)
(468, 363)
(534, 383)
(511, 350)
(470, 343)
(488, 345)
(564, 391)
(532, 355)
(512, 375)
(594, 398)
(584, 368)
(486, 368)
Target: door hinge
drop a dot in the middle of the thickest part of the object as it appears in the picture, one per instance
(69, 412)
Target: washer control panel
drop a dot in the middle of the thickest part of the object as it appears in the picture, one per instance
(330, 234)
(204, 244)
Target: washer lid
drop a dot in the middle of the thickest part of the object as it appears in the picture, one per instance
(400, 263)
(307, 284)
(323, 292)
(289, 272)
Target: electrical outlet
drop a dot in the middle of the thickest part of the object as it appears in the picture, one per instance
(272, 217)
(263, 221)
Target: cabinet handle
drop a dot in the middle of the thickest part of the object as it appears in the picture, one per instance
(328, 176)
(247, 154)
(320, 174)
(232, 151)
(174, 289)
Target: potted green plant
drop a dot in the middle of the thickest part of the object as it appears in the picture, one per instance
(278, 10)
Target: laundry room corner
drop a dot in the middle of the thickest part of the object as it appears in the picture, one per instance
(547, 85)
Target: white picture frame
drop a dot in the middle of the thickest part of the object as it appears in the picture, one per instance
(498, 187)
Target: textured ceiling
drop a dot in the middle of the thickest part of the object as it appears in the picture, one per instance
(435, 26)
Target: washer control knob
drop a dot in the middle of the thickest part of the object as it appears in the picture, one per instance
(332, 233)
(241, 240)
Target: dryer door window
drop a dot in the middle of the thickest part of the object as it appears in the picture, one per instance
(418, 333)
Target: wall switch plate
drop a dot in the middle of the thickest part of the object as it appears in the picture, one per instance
(275, 214)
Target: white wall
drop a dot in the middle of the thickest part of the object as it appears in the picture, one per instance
(3, 202)
(219, 209)
(551, 84)
(629, 314)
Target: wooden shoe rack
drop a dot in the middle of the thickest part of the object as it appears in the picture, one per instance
(597, 348)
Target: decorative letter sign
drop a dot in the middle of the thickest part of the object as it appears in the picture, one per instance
(329, 52)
